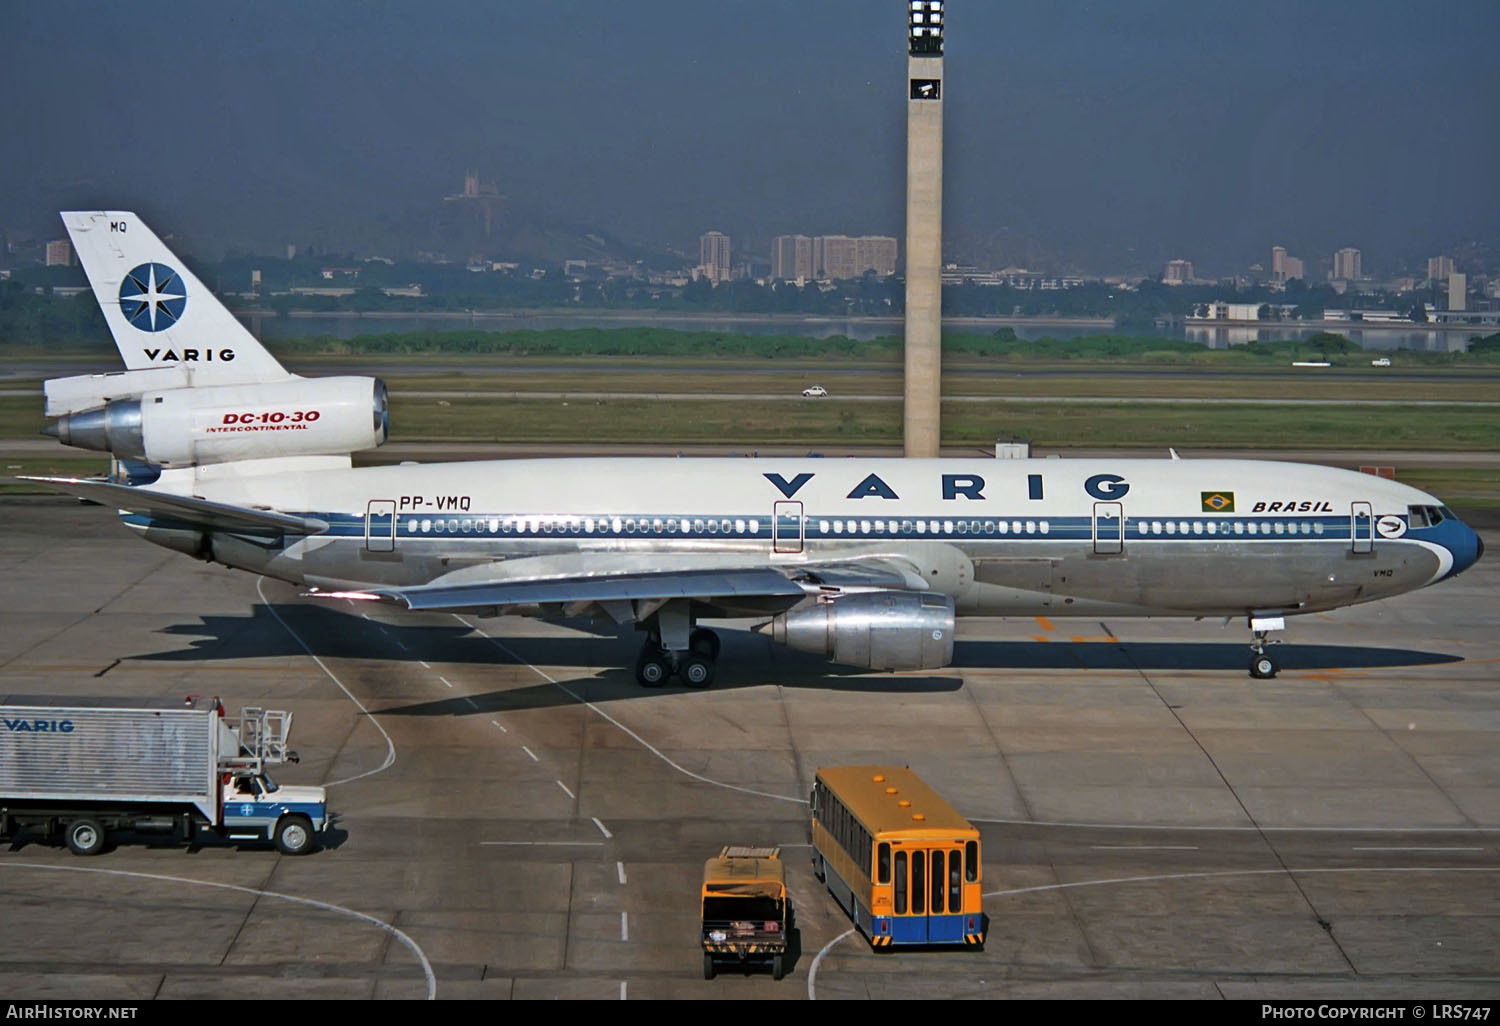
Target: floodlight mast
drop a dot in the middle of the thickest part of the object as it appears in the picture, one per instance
(924, 229)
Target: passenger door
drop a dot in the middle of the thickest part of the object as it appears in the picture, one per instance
(1109, 528)
(1362, 527)
(380, 525)
(786, 527)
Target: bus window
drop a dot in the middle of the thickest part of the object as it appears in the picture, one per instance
(938, 883)
(900, 883)
(884, 864)
(955, 883)
(971, 861)
(919, 883)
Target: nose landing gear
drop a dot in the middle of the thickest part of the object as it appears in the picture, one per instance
(1264, 666)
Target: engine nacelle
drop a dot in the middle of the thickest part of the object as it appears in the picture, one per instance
(897, 630)
(184, 427)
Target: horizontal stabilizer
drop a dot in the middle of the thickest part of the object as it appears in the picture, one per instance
(215, 516)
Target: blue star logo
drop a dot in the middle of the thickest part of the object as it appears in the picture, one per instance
(152, 297)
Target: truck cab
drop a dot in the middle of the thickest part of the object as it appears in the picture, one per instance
(257, 808)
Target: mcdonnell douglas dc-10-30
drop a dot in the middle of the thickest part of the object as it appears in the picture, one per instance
(225, 456)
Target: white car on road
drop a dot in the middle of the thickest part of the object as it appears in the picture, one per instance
(815, 392)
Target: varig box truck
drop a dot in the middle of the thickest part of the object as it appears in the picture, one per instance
(85, 767)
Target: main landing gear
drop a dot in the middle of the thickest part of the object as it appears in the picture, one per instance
(1264, 666)
(695, 665)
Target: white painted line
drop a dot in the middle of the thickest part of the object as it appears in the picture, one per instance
(620, 868)
(1419, 849)
(624, 729)
(390, 746)
(1288, 871)
(444, 680)
(472, 704)
(425, 666)
(601, 827)
(541, 844)
(529, 752)
(624, 926)
(812, 970)
(560, 784)
(622, 990)
(410, 944)
(502, 729)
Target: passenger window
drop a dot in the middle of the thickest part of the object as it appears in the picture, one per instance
(919, 882)
(955, 885)
(971, 861)
(937, 883)
(900, 883)
(883, 863)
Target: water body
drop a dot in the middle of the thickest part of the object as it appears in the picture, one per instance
(864, 329)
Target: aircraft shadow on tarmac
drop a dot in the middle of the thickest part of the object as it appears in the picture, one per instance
(747, 660)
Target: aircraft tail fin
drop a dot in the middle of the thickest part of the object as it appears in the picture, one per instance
(160, 314)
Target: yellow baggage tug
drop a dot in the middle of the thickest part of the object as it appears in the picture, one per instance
(745, 909)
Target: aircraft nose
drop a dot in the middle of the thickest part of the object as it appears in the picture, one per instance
(1467, 551)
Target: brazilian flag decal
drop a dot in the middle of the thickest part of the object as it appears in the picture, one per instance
(1218, 502)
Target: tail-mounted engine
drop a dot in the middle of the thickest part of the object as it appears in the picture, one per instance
(181, 427)
(896, 630)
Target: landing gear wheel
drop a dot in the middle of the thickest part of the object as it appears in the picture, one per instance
(651, 669)
(85, 837)
(708, 966)
(704, 642)
(1263, 667)
(696, 672)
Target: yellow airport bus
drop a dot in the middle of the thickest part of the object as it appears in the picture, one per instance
(900, 860)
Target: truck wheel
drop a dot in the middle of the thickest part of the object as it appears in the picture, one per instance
(294, 835)
(708, 966)
(777, 970)
(85, 837)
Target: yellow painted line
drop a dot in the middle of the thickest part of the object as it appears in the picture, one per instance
(1040, 637)
(1081, 638)
(1046, 623)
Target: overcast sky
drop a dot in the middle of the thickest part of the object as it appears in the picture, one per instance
(1205, 129)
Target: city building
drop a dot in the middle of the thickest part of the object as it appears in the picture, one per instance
(1179, 272)
(1284, 267)
(713, 262)
(1458, 288)
(60, 253)
(792, 258)
(1346, 265)
(1438, 268)
(841, 257)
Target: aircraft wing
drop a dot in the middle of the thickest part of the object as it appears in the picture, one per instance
(758, 588)
(216, 516)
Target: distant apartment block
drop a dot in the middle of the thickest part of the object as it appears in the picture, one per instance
(1284, 267)
(792, 258)
(713, 251)
(1346, 265)
(841, 257)
(60, 253)
(1458, 289)
(1439, 268)
(1178, 272)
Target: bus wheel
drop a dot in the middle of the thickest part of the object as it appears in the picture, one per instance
(85, 837)
(708, 966)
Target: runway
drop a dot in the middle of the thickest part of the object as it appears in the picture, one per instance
(517, 819)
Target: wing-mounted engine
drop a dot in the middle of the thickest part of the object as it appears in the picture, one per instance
(886, 630)
(183, 427)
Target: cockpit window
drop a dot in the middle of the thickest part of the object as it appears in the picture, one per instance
(1427, 516)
